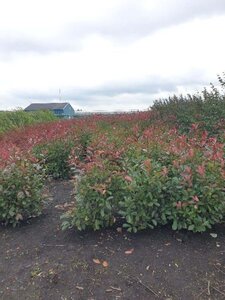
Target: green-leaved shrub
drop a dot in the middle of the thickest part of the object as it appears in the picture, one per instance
(12, 120)
(196, 198)
(207, 109)
(21, 184)
(55, 158)
(190, 196)
(140, 204)
(97, 200)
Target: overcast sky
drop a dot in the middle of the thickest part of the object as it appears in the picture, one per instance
(108, 54)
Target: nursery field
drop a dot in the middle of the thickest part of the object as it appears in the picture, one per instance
(126, 206)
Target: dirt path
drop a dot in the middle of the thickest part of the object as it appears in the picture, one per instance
(39, 261)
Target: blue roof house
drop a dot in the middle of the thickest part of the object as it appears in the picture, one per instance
(61, 110)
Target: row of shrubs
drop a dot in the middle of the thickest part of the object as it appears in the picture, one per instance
(142, 192)
(23, 177)
(139, 172)
(10, 120)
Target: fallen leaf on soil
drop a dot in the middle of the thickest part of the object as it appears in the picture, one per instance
(129, 251)
(59, 207)
(115, 288)
(119, 229)
(105, 264)
(167, 244)
(79, 288)
(179, 240)
(214, 235)
(96, 261)
(64, 206)
(147, 268)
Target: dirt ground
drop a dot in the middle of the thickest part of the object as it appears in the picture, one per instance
(39, 261)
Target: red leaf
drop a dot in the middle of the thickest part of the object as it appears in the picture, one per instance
(128, 178)
(105, 264)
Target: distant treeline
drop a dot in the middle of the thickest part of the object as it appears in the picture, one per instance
(205, 109)
(18, 118)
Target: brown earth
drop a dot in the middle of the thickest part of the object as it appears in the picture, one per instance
(39, 261)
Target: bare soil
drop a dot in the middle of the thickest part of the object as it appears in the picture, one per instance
(39, 261)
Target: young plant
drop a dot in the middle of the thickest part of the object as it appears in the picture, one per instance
(97, 199)
(21, 184)
(55, 158)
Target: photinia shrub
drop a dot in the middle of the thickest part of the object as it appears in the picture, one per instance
(21, 184)
(55, 158)
(140, 204)
(196, 198)
(97, 200)
(84, 140)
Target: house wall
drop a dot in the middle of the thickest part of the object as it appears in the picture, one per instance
(58, 112)
(68, 111)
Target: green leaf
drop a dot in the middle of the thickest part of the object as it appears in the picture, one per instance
(174, 226)
(154, 222)
(191, 227)
(12, 212)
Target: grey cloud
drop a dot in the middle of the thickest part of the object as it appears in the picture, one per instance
(127, 22)
(131, 20)
(132, 88)
(13, 44)
(20, 44)
(113, 90)
(110, 90)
